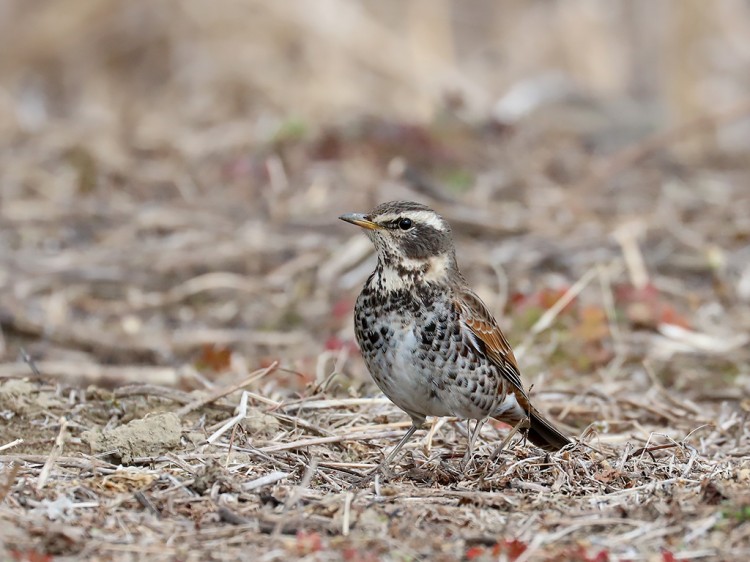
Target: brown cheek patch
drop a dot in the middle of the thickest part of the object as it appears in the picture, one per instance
(424, 242)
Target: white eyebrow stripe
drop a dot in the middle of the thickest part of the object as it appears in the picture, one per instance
(423, 217)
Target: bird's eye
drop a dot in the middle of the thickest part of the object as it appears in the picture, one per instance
(404, 224)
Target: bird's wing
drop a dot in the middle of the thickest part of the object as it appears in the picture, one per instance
(487, 339)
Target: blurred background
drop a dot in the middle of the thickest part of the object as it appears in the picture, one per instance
(171, 173)
(138, 64)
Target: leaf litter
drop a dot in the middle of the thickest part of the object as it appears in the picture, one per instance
(179, 378)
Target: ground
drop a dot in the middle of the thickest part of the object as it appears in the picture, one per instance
(179, 377)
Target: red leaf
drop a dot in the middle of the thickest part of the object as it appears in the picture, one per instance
(628, 293)
(544, 299)
(474, 552)
(593, 326)
(342, 308)
(548, 297)
(518, 299)
(214, 358)
(647, 307)
(334, 343)
(513, 548)
(669, 315)
(30, 556)
(601, 556)
(352, 554)
(309, 542)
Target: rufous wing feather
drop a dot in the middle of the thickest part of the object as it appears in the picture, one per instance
(488, 340)
(486, 336)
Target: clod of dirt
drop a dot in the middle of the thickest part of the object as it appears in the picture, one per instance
(18, 396)
(25, 398)
(257, 423)
(139, 438)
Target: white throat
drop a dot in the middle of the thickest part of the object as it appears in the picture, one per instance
(394, 278)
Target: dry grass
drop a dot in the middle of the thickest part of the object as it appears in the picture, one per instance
(178, 376)
(665, 474)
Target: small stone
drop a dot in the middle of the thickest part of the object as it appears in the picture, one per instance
(258, 423)
(17, 395)
(150, 436)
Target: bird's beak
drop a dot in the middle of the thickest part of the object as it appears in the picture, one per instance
(360, 220)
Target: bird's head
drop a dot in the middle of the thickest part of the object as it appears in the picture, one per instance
(410, 238)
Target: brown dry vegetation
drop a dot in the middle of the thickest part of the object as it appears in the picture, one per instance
(179, 379)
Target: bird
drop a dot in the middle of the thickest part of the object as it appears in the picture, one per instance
(429, 342)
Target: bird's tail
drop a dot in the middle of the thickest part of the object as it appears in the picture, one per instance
(544, 434)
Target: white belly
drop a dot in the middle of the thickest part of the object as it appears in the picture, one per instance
(407, 383)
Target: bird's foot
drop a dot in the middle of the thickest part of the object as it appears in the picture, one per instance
(467, 462)
(380, 473)
(524, 424)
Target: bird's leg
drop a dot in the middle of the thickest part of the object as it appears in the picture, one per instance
(522, 424)
(470, 443)
(387, 460)
(404, 440)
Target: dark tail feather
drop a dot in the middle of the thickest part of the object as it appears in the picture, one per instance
(545, 435)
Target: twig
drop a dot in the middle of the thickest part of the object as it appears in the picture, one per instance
(145, 502)
(302, 443)
(627, 237)
(299, 422)
(305, 404)
(174, 394)
(270, 478)
(11, 478)
(78, 462)
(30, 362)
(56, 451)
(102, 375)
(251, 378)
(639, 452)
(546, 320)
(11, 444)
(229, 516)
(241, 415)
(295, 496)
(348, 497)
